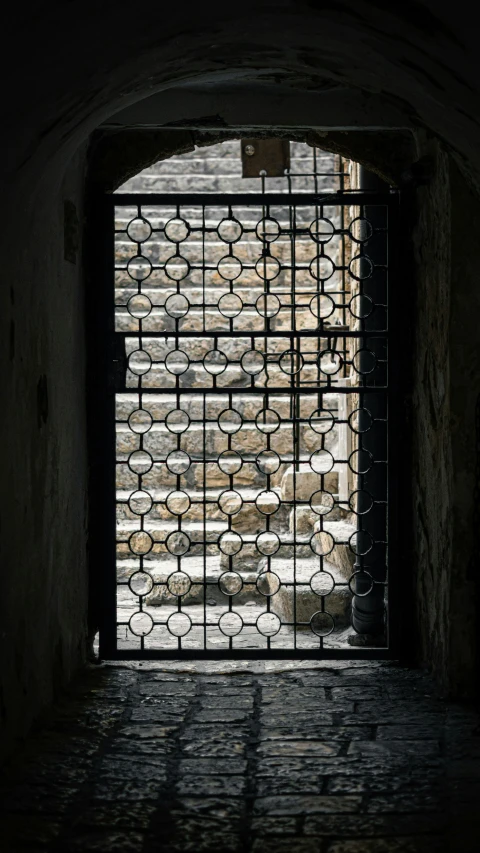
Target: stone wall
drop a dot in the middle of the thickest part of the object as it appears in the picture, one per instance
(43, 604)
(429, 302)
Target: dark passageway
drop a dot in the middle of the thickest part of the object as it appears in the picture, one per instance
(339, 756)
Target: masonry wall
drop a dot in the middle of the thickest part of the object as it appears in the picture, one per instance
(427, 303)
(44, 463)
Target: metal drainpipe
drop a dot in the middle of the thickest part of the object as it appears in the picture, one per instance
(368, 605)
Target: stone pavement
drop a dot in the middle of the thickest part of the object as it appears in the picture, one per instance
(337, 758)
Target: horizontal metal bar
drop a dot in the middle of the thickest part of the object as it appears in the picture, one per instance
(283, 389)
(380, 653)
(347, 197)
(330, 332)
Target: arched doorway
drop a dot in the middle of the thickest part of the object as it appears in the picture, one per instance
(249, 391)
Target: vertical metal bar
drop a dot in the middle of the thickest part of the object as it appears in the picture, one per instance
(368, 607)
(104, 424)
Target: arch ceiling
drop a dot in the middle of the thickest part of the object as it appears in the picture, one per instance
(351, 64)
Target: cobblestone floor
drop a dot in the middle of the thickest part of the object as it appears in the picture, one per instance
(348, 758)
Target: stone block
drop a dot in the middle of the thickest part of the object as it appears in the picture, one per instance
(306, 482)
(342, 556)
(337, 603)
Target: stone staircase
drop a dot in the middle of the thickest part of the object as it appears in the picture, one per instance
(218, 170)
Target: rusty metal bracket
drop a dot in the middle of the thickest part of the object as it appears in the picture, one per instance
(268, 156)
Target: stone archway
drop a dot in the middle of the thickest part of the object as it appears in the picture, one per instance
(410, 68)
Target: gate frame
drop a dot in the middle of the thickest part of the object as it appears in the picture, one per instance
(101, 355)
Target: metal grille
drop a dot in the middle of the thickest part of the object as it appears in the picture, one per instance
(251, 397)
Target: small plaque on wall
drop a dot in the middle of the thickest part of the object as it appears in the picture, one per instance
(271, 156)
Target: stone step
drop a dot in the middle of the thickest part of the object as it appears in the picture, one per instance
(206, 501)
(161, 521)
(197, 441)
(210, 321)
(207, 299)
(342, 556)
(248, 405)
(229, 164)
(303, 518)
(249, 216)
(335, 534)
(248, 279)
(234, 378)
(248, 252)
(231, 148)
(203, 575)
(316, 588)
(200, 585)
(217, 183)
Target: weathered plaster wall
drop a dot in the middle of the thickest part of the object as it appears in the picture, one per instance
(427, 305)
(43, 484)
(464, 331)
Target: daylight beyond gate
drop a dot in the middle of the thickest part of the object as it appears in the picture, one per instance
(251, 422)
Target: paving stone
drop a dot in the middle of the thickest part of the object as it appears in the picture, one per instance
(235, 701)
(166, 688)
(221, 715)
(216, 766)
(116, 815)
(105, 842)
(217, 807)
(343, 733)
(125, 788)
(274, 826)
(293, 783)
(389, 845)
(213, 746)
(201, 834)
(229, 786)
(333, 758)
(156, 713)
(385, 748)
(304, 805)
(350, 693)
(297, 695)
(411, 801)
(294, 844)
(359, 826)
(385, 783)
(415, 731)
(298, 747)
(296, 731)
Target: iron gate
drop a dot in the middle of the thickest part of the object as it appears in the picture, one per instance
(250, 396)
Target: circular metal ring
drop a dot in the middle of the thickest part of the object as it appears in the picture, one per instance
(140, 462)
(179, 623)
(139, 306)
(139, 229)
(268, 624)
(140, 623)
(267, 543)
(230, 583)
(268, 583)
(230, 230)
(322, 623)
(179, 584)
(141, 583)
(177, 230)
(176, 268)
